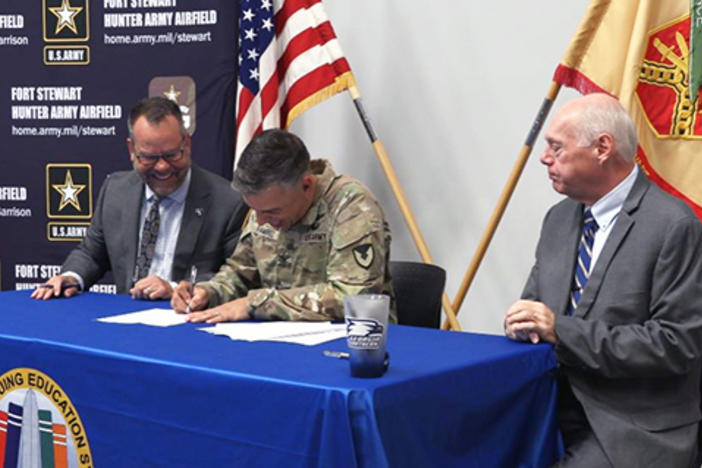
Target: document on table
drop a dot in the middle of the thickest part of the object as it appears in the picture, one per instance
(152, 317)
(304, 333)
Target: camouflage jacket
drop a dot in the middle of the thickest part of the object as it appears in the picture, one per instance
(340, 247)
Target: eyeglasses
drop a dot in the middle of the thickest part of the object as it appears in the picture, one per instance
(169, 156)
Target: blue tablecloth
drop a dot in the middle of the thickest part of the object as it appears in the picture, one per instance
(177, 396)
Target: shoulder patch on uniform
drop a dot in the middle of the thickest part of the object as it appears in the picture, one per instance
(364, 255)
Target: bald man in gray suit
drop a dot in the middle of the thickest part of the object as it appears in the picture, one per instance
(627, 332)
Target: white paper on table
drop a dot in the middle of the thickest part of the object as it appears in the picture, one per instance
(152, 317)
(315, 338)
(304, 333)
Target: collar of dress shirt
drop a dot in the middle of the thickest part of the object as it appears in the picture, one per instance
(606, 209)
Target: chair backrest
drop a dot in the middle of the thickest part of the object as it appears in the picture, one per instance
(418, 289)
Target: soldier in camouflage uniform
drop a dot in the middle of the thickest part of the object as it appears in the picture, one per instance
(312, 237)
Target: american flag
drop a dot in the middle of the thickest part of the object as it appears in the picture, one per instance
(289, 60)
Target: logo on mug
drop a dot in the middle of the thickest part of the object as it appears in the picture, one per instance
(364, 333)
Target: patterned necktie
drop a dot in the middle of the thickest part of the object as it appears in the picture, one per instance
(149, 233)
(582, 266)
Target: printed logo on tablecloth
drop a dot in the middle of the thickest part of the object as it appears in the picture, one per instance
(69, 196)
(181, 90)
(39, 425)
(66, 21)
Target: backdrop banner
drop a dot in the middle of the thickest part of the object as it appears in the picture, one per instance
(71, 71)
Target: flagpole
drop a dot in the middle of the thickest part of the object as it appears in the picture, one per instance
(504, 197)
(390, 174)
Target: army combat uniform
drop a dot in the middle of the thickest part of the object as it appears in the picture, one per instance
(341, 246)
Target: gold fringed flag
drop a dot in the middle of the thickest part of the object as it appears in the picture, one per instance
(289, 60)
(639, 52)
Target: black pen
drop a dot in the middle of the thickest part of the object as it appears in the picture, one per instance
(64, 286)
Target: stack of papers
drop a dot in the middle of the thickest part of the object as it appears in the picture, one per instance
(304, 333)
(153, 317)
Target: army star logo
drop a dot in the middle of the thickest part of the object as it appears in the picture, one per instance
(172, 94)
(66, 16)
(69, 192)
(364, 255)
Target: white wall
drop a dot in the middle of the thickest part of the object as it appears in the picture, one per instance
(452, 88)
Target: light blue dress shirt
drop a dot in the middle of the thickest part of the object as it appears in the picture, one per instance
(171, 213)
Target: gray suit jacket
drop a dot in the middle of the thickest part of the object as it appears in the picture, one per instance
(212, 218)
(632, 350)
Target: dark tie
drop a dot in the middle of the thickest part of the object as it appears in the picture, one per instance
(582, 266)
(149, 233)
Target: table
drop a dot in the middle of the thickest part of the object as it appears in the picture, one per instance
(177, 396)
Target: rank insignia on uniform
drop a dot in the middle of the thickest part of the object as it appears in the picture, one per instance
(364, 255)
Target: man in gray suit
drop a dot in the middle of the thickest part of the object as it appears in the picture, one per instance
(617, 289)
(152, 224)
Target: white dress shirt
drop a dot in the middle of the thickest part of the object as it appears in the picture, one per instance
(606, 210)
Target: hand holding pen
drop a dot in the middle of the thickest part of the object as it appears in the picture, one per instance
(188, 298)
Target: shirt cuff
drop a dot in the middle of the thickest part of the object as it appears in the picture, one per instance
(77, 277)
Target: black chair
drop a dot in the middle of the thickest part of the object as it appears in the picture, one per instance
(418, 290)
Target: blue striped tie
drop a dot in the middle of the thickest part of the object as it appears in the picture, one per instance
(582, 266)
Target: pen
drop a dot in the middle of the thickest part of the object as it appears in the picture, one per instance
(191, 285)
(336, 354)
(135, 275)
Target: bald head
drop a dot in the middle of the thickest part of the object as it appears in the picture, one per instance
(595, 114)
(591, 147)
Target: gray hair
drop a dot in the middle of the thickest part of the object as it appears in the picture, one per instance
(606, 116)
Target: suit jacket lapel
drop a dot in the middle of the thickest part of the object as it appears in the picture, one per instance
(562, 279)
(132, 198)
(197, 203)
(621, 228)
